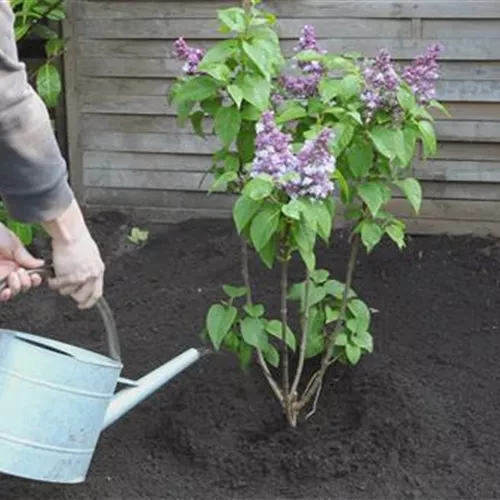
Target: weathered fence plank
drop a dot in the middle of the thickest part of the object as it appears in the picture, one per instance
(469, 9)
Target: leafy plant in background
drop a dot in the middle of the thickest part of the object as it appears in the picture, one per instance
(294, 134)
(29, 18)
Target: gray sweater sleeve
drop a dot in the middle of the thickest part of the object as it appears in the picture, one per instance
(33, 174)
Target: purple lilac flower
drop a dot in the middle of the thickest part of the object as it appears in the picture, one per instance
(192, 56)
(300, 87)
(308, 41)
(273, 152)
(421, 74)
(305, 174)
(381, 84)
(315, 166)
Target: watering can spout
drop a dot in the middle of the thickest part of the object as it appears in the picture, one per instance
(128, 398)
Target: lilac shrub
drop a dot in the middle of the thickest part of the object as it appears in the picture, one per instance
(298, 138)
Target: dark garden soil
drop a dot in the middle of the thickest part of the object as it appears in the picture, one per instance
(419, 418)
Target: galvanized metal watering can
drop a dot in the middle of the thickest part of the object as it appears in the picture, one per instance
(56, 399)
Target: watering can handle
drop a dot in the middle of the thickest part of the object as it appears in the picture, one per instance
(103, 308)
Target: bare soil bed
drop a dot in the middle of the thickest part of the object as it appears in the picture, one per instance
(417, 419)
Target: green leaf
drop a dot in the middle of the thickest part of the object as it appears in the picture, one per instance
(275, 328)
(236, 93)
(268, 253)
(249, 112)
(223, 180)
(220, 52)
(362, 314)
(57, 14)
(371, 234)
(259, 188)
(232, 342)
(233, 19)
(363, 340)
(54, 47)
(254, 310)
(243, 212)
(272, 355)
(292, 209)
(437, 105)
(231, 163)
(257, 91)
(373, 195)
(344, 132)
(328, 89)
(219, 322)
(259, 58)
(359, 309)
(428, 138)
(48, 84)
(264, 225)
(396, 232)
(310, 217)
(316, 295)
(383, 140)
(245, 352)
(293, 112)
(319, 276)
(44, 32)
(197, 122)
(345, 192)
(254, 334)
(198, 88)
(246, 141)
(342, 339)
(331, 314)
(336, 289)
(353, 353)
(308, 257)
(315, 338)
(409, 142)
(350, 85)
(413, 192)
(211, 106)
(360, 157)
(219, 71)
(235, 291)
(227, 124)
(406, 99)
(324, 219)
(305, 238)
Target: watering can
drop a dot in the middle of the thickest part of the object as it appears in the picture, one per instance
(56, 399)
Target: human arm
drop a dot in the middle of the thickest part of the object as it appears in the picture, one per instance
(33, 176)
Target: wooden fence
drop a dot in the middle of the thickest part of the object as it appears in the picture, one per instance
(127, 151)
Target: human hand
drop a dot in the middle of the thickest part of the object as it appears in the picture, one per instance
(14, 261)
(77, 262)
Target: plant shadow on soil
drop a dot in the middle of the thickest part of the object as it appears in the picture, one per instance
(416, 419)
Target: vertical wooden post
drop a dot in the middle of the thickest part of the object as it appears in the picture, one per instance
(72, 99)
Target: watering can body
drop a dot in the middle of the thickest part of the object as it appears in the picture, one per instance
(53, 400)
(56, 399)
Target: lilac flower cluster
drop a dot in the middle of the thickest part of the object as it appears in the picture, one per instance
(273, 152)
(190, 55)
(381, 84)
(305, 85)
(308, 41)
(382, 81)
(306, 174)
(421, 74)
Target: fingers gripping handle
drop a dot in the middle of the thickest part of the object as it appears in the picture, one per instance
(103, 308)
